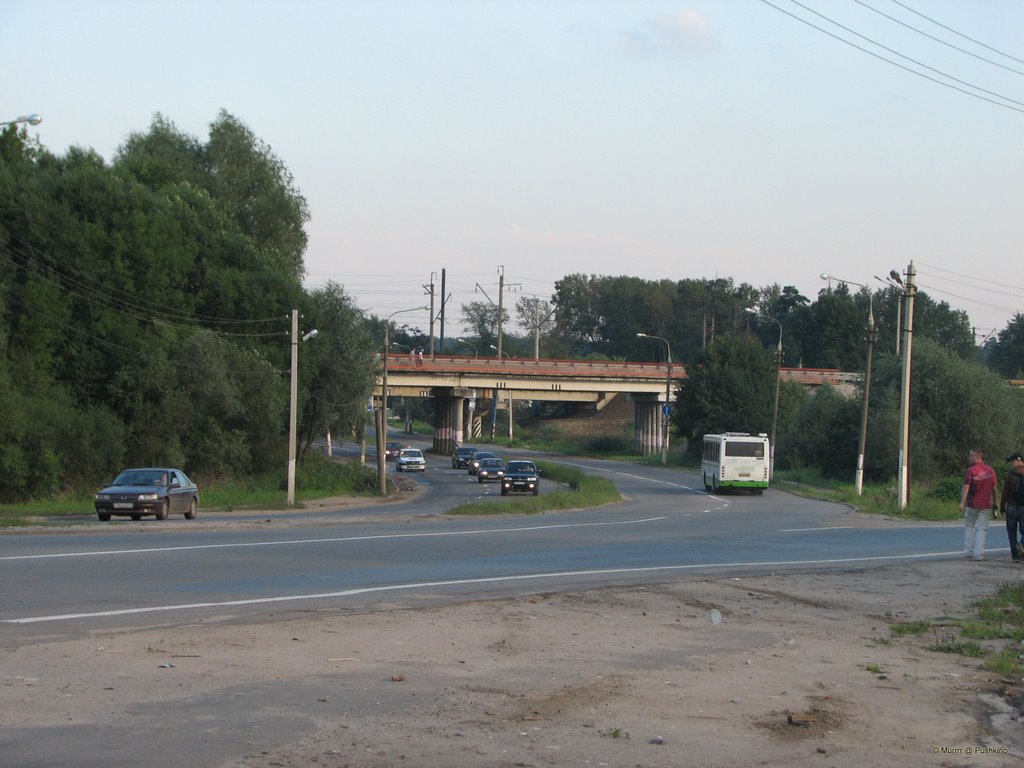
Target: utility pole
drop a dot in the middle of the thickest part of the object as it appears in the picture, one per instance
(903, 477)
(444, 303)
(430, 289)
(501, 291)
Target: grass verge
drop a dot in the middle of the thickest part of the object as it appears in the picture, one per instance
(583, 491)
(315, 478)
(995, 634)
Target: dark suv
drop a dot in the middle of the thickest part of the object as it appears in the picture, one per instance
(521, 476)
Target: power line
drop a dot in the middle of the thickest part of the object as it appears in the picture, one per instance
(890, 61)
(939, 39)
(955, 32)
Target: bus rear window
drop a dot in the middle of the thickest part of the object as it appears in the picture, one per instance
(744, 449)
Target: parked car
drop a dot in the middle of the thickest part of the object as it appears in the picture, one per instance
(479, 456)
(157, 491)
(410, 460)
(391, 449)
(490, 469)
(462, 456)
(521, 476)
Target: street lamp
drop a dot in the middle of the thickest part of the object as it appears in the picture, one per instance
(382, 417)
(293, 401)
(858, 478)
(32, 119)
(501, 352)
(668, 394)
(468, 343)
(775, 398)
(894, 281)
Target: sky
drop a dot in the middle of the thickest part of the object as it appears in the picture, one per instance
(756, 140)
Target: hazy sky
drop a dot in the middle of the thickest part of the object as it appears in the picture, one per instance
(692, 139)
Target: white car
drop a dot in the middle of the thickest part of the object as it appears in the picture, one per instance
(410, 460)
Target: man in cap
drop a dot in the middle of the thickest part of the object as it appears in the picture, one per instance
(1011, 504)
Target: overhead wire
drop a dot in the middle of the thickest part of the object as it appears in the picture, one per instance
(139, 311)
(939, 39)
(895, 63)
(956, 32)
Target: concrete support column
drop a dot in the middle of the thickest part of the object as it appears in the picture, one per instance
(448, 424)
(646, 425)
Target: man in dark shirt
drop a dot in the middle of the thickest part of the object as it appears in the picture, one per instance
(1011, 504)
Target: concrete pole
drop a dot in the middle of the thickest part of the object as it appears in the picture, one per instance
(903, 475)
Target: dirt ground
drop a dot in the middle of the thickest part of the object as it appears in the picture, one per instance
(798, 669)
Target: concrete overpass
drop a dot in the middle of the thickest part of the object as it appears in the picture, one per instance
(463, 388)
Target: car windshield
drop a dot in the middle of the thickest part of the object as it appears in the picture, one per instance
(412, 453)
(142, 477)
(466, 451)
(520, 466)
(481, 455)
(490, 463)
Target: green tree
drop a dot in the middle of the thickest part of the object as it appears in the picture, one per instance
(1007, 358)
(728, 388)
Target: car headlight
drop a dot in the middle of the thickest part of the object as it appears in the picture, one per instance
(148, 497)
(102, 497)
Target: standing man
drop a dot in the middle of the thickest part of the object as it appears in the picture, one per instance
(977, 498)
(1011, 504)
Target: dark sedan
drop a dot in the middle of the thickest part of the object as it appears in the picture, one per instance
(157, 491)
(520, 477)
(462, 456)
(490, 469)
(474, 463)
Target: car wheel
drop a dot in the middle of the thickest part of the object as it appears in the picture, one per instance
(103, 516)
(136, 516)
(398, 467)
(161, 514)
(536, 491)
(504, 492)
(192, 509)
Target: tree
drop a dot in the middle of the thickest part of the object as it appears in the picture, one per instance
(728, 388)
(480, 319)
(1007, 357)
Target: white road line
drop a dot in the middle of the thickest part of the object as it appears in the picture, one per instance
(480, 532)
(460, 582)
(814, 530)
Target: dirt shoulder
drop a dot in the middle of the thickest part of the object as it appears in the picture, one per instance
(797, 669)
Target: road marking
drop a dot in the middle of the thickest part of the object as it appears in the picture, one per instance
(477, 532)
(812, 530)
(461, 582)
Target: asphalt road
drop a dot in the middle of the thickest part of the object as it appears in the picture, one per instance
(104, 578)
(123, 574)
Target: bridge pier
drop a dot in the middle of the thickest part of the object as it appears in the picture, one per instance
(647, 433)
(449, 421)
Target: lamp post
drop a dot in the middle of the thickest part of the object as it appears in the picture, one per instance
(382, 412)
(293, 402)
(668, 394)
(32, 119)
(775, 397)
(858, 478)
(469, 344)
(501, 352)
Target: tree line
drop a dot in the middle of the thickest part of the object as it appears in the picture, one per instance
(144, 319)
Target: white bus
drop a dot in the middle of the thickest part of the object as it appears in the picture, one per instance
(736, 460)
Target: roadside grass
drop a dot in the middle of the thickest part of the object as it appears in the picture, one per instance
(583, 491)
(315, 477)
(995, 633)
